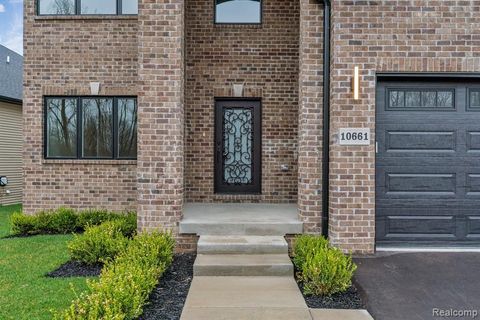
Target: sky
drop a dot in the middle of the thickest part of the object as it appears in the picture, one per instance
(11, 24)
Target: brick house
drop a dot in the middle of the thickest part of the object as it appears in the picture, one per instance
(228, 100)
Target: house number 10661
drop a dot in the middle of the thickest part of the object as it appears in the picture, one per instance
(354, 136)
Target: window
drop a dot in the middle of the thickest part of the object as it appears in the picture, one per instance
(91, 128)
(421, 98)
(474, 99)
(238, 11)
(85, 7)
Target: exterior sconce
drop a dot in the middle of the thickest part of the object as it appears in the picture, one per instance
(238, 89)
(94, 88)
(356, 83)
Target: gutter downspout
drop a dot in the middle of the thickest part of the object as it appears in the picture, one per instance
(326, 116)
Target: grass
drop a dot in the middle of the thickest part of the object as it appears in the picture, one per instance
(25, 292)
(5, 213)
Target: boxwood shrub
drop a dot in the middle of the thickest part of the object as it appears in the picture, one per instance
(324, 270)
(125, 282)
(100, 243)
(62, 221)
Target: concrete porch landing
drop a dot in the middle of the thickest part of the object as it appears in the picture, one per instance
(240, 219)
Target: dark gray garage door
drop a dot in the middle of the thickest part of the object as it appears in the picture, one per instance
(428, 162)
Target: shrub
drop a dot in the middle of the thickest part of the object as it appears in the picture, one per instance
(326, 272)
(99, 243)
(67, 220)
(306, 244)
(126, 282)
(61, 221)
(93, 218)
(23, 224)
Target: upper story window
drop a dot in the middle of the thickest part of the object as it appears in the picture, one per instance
(91, 128)
(238, 11)
(87, 7)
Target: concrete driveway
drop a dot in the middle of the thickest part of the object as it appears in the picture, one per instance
(417, 286)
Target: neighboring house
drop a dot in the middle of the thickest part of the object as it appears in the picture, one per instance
(231, 109)
(11, 124)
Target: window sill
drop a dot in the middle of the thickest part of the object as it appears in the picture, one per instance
(105, 162)
(86, 17)
(238, 25)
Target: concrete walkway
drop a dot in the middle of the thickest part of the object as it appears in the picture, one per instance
(242, 270)
(255, 298)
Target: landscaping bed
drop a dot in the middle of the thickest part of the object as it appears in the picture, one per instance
(350, 299)
(168, 298)
(76, 269)
(324, 274)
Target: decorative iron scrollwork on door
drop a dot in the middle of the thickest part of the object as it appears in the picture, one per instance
(237, 146)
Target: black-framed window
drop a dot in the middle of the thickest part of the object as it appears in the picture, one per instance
(428, 98)
(87, 7)
(238, 11)
(90, 128)
(473, 99)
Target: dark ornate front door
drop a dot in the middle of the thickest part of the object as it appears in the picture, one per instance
(238, 146)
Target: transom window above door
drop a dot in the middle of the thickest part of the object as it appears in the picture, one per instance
(238, 11)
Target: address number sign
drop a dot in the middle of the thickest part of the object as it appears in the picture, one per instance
(354, 137)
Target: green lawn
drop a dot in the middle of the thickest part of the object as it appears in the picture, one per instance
(25, 292)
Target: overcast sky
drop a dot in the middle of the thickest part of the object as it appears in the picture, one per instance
(11, 24)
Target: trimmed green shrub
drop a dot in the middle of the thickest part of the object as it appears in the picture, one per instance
(126, 282)
(99, 243)
(23, 224)
(61, 221)
(326, 272)
(93, 218)
(65, 221)
(306, 244)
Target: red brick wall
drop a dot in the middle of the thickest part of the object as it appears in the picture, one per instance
(61, 57)
(385, 36)
(310, 115)
(161, 114)
(265, 58)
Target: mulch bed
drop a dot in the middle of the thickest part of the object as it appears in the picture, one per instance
(351, 299)
(167, 299)
(76, 269)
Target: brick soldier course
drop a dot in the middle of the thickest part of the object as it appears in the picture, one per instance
(176, 61)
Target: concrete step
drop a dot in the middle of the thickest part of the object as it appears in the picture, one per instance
(241, 228)
(242, 245)
(243, 265)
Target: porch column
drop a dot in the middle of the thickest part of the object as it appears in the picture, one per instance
(310, 115)
(160, 170)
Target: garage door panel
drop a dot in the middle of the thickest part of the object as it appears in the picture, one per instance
(473, 227)
(473, 141)
(427, 166)
(420, 141)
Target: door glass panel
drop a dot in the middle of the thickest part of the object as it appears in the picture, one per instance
(237, 145)
(412, 99)
(428, 99)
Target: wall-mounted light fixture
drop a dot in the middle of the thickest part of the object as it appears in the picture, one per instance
(356, 83)
(238, 89)
(94, 88)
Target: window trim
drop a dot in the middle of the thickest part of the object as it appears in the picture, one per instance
(79, 140)
(77, 10)
(235, 23)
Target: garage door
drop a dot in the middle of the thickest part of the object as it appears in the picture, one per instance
(428, 163)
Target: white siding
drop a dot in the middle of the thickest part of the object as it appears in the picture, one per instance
(11, 140)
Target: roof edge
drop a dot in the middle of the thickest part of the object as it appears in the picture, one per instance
(11, 100)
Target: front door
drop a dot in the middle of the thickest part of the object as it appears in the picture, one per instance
(238, 146)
